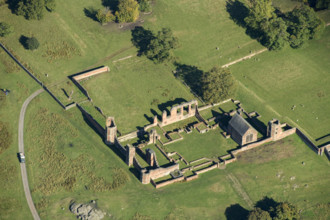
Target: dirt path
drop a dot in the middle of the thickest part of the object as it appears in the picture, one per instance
(21, 149)
(239, 189)
(244, 58)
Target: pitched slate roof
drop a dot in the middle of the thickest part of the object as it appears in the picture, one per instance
(239, 124)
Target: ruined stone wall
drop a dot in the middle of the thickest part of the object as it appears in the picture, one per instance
(146, 175)
(308, 142)
(136, 164)
(168, 182)
(91, 73)
(206, 169)
(177, 113)
(92, 121)
(120, 147)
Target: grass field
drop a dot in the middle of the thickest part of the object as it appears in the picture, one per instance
(134, 91)
(283, 79)
(67, 160)
(195, 145)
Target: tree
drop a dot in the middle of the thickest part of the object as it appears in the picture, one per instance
(275, 35)
(259, 214)
(30, 9)
(160, 47)
(217, 85)
(32, 43)
(5, 29)
(104, 16)
(50, 5)
(286, 211)
(145, 5)
(260, 10)
(303, 24)
(128, 11)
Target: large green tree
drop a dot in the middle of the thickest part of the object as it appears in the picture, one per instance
(260, 10)
(286, 211)
(31, 9)
(259, 214)
(303, 24)
(217, 84)
(160, 47)
(275, 35)
(128, 11)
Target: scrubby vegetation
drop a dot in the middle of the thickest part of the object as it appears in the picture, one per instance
(5, 136)
(5, 29)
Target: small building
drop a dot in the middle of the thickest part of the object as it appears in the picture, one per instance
(241, 131)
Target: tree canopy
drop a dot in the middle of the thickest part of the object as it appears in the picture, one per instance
(260, 10)
(286, 211)
(160, 47)
(303, 24)
(104, 16)
(128, 11)
(259, 214)
(31, 43)
(217, 84)
(32, 9)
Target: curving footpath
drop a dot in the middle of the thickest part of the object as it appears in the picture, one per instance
(21, 149)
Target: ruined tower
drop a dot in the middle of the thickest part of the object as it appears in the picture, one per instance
(130, 153)
(274, 129)
(110, 131)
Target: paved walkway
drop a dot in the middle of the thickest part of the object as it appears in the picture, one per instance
(21, 149)
(244, 58)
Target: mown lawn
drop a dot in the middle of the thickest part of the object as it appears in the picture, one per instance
(286, 171)
(195, 145)
(274, 82)
(134, 91)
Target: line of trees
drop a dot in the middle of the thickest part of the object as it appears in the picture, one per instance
(32, 9)
(275, 29)
(124, 11)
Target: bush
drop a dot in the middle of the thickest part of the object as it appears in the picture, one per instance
(50, 5)
(145, 5)
(32, 43)
(104, 16)
(5, 29)
(128, 11)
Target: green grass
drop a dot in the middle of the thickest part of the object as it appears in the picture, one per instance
(259, 175)
(283, 79)
(195, 145)
(129, 92)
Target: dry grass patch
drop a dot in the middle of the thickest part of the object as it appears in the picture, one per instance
(269, 152)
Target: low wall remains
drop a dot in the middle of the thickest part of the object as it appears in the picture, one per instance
(129, 136)
(120, 147)
(168, 182)
(309, 143)
(147, 175)
(91, 73)
(206, 169)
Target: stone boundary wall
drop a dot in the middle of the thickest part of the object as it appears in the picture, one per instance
(308, 142)
(136, 164)
(54, 97)
(129, 136)
(327, 151)
(206, 169)
(92, 121)
(212, 105)
(163, 152)
(71, 105)
(192, 177)
(147, 175)
(202, 164)
(91, 73)
(120, 147)
(82, 89)
(168, 182)
(195, 161)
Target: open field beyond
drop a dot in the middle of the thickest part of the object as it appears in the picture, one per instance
(281, 80)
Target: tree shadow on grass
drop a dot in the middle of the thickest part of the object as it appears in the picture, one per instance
(267, 204)
(141, 39)
(23, 40)
(237, 11)
(112, 4)
(236, 212)
(164, 106)
(91, 13)
(191, 75)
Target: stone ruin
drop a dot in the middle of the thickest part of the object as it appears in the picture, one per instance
(178, 113)
(86, 211)
(110, 131)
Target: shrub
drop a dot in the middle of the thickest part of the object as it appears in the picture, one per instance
(128, 11)
(145, 5)
(5, 29)
(32, 43)
(104, 16)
